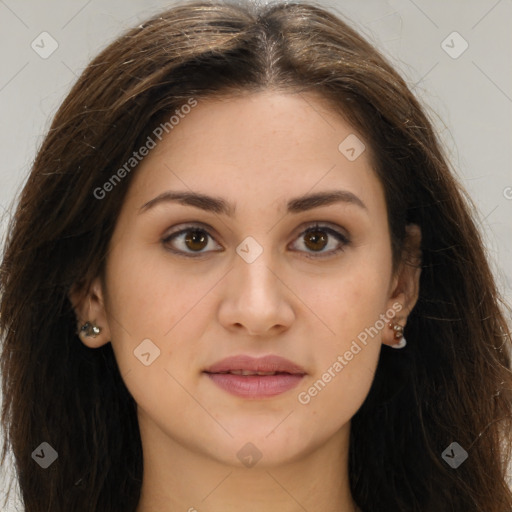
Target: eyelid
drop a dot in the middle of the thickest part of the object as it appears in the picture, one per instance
(189, 225)
(309, 226)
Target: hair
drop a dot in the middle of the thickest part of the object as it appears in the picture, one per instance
(453, 381)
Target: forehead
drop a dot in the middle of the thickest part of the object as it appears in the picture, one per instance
(258, 149)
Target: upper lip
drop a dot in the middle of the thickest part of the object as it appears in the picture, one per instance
(271, 363)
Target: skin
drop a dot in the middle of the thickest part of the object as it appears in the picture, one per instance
(257, 151)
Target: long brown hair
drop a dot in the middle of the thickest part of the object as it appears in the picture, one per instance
(453, 381)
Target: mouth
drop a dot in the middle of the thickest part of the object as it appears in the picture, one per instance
(250, 377)
(249, 372)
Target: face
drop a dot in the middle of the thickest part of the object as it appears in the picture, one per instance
(189, 283)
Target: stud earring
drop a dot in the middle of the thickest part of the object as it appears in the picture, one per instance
(398, 335)
(90, 330)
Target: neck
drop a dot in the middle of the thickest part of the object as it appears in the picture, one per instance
(178, 478)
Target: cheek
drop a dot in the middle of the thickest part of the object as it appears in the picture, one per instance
(148, 299)
(148, 293)
(351, 306)
(150, 306)
(350, 301)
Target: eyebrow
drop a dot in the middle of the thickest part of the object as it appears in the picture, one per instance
(221, 206)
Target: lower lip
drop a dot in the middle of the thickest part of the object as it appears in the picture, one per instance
(255, 386)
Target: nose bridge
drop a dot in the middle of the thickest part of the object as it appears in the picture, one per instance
(256, 298)
(257, 284)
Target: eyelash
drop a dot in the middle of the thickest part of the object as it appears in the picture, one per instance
(343, 239)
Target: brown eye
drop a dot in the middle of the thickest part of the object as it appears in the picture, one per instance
(196, 240)
(315, 240)
(190, 242)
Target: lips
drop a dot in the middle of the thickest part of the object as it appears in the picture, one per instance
(247, 365)
(248, 372)
(249, 377)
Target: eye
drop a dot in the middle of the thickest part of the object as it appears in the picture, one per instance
(193, 237)
(318, 237)
(194, 240)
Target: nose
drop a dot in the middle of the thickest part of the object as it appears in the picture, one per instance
(256, 299)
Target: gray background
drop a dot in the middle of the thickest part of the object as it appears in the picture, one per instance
(469, 98)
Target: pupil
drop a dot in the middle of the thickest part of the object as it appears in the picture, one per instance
(196, 237)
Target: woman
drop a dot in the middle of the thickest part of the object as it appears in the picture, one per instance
(237, 218)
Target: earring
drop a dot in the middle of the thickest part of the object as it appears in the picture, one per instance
(399, 335)
(90, 330)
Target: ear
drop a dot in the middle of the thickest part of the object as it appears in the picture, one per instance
(89, 306)
(405, 287)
